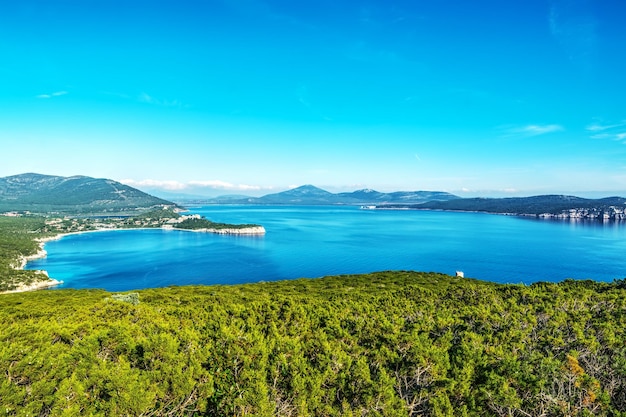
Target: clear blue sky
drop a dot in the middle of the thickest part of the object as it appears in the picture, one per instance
(485, 97)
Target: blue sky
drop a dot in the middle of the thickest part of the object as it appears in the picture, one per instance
(215, 97)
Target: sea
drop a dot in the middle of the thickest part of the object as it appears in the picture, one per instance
(316, 241)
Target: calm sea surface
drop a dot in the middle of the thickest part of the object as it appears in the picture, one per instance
(319, 241)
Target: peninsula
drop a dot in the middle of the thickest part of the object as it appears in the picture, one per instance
(541, 207)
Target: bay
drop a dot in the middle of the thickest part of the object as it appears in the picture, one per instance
(318, 241)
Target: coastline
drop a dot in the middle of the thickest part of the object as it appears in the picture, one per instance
(39, 285)
(51, 282)
(619, 217)
(23, 260)
(247, 231)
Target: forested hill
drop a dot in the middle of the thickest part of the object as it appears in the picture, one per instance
(78, 194)
(537, 205)
(384, 344)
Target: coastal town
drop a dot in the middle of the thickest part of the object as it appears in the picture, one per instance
(164, 219)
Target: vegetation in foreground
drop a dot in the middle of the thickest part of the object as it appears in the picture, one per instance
(387, 344)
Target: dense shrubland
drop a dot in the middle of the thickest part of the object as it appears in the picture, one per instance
(390, 343)
(203, 223)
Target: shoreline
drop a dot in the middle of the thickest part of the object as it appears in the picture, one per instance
(39, 285)
(22, 261)
(246, 231)
(540, 216)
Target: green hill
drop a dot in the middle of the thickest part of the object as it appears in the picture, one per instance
(558, 206)
(553, 204)
(79, 194)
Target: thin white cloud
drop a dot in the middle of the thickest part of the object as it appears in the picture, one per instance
(532, 130)
(223, 185)
(148, 99)
(55, 94)
(610, 131)
(172, 185)
(164, 185)
(597, 127)
(617, 136)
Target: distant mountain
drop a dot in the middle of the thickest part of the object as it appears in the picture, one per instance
(365, 195)
(78, 194)
(306, 194)
(375, 197)
(311, 195)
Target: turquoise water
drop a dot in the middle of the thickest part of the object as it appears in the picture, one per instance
(319, 241)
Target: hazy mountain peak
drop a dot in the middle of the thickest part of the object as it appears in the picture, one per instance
(311, 195)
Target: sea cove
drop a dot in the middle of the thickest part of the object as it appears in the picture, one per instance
(318, 241)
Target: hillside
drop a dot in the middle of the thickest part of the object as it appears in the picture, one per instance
(544, 205)
(385, 344)
(78, 194)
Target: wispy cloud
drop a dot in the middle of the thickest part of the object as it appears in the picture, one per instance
(610, 131)
(531, 130)
(597, 127)
(164, 185)
(51, 95)
(148, 99)
(223, 185)
(620, 137)
(173, 185)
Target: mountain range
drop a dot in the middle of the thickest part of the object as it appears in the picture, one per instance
(311, 195)
(39, 193)
(560, 206)
(77, 194)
